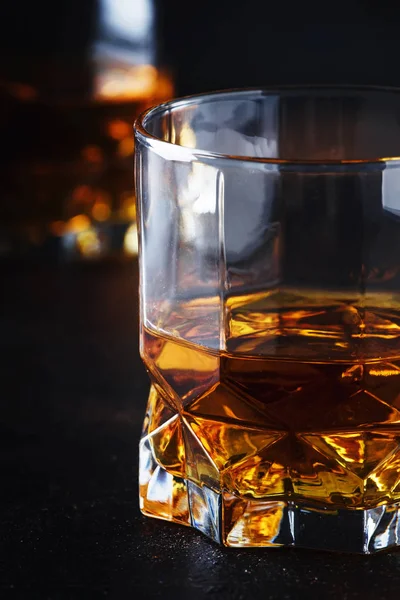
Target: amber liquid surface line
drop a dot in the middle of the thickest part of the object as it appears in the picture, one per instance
(301, 409)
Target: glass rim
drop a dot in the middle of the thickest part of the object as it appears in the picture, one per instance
(186, 154)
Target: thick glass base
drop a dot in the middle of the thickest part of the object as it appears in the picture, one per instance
(241, 522)
(244, 484)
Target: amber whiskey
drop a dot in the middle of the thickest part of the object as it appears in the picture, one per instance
(296, 420)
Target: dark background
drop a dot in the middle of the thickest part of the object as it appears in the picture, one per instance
(73, 389)
(216, 44)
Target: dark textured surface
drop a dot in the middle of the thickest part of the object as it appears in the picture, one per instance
(73, 398)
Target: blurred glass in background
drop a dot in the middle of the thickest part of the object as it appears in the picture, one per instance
(68, 177)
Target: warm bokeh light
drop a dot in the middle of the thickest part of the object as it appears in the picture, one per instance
(118, 130)
(140, 83)
(93, 154)
(82, 194)
(165, 88)
(126, 147)
(128, 207)
(131, 240)
(77, 224)
(133, 82)
(101, 211)
(89, 194)
(88, 243)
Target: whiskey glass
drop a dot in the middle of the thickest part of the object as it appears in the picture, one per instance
(269, 225)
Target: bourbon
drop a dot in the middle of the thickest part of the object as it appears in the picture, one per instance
(296, 419)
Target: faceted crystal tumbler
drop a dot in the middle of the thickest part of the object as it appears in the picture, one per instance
(270, 316)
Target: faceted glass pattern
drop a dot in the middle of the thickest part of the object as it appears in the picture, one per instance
(270, 316)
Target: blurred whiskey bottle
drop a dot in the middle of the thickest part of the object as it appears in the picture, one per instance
(67, 125)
